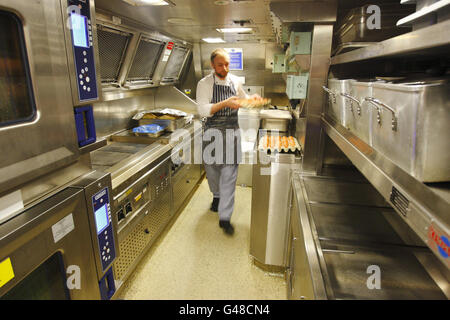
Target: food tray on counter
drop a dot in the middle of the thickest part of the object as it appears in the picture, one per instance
(270, 144)
(171, 119)
(149, 130)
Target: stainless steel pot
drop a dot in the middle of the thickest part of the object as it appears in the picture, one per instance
(337, 91)
(410, 125)
(357, 112)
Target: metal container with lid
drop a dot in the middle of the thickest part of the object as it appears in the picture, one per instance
(275, 120)
(338, 92)
(410, 127)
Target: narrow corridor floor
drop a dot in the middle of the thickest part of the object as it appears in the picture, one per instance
(196, 260)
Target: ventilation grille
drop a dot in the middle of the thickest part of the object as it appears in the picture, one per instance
(112, 45)
(135, 244)
(175, 64)
(400, 202)
(145, 60)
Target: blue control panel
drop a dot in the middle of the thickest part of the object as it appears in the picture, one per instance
(104, 226)
(79, 16)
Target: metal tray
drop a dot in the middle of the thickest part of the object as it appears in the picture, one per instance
(151, 135)
(356, 29)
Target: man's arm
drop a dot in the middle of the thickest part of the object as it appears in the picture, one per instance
(203, 99)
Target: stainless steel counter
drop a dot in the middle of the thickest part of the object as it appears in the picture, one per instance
(423, 207)
(343, 235)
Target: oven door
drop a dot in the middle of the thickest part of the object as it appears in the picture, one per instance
(46, 252)
(37, 128)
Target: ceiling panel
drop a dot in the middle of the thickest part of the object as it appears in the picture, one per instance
(201, 18)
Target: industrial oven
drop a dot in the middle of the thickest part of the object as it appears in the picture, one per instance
(63, 247)
(57, 237)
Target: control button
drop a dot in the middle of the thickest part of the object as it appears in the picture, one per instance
(104, 248)
(106, 232)
(109, 257)
(108, 250)
(81, 82)
(106, 238)
(86, 69)
(82, 71)
(87, 80)
(80, 76)
(84, 53)
(84, 87)
(103, 253)
(88, 89)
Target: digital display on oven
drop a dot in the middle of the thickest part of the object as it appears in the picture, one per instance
(79, 30)
(101, 218)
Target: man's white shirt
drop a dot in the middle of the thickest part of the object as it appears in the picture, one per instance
(205, 91)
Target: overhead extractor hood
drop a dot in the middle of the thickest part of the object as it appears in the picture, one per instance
(113, 44)
(175, 64)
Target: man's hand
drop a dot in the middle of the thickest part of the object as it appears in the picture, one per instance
(232, 103)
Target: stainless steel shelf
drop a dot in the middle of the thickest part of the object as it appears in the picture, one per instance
(434, 36)
(426, 207)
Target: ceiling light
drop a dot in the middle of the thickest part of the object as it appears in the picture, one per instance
(234, 30)
(181, 21)
(221, 2)
(149, 2)
(214, 40)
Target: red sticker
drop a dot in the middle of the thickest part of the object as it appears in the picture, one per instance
(170, 45)
(439, 242)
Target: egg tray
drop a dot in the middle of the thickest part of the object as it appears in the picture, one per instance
(291, 149)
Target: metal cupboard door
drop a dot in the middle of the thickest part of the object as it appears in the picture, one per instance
(46, 251)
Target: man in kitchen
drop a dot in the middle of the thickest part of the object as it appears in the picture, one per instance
(218, 98)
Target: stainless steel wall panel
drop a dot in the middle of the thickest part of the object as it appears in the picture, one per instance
(257, 59)
(320, 61)
(115, 112)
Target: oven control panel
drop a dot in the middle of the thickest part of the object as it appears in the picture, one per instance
(81, 29)
(104, 227)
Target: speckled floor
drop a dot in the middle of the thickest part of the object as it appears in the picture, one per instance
(195, 260)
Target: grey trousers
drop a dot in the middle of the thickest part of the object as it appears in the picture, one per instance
(222, 183)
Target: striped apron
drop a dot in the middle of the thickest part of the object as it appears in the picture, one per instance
(222, 120)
